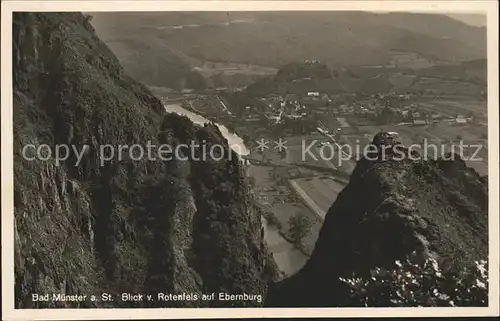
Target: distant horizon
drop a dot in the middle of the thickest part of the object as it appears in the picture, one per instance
(477, 20)
(472, 19)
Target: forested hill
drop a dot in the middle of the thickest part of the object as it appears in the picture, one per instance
(337, 38)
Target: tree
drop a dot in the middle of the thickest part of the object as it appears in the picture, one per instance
(282, 153)
(251, 181)
(87, 18)
(390, 115)
(412, 283)
(299, 226)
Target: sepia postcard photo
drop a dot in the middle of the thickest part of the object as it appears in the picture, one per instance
(219, 159)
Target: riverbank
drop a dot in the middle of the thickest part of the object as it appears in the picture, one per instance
(235, 142)
(288, 257)
(282, 209)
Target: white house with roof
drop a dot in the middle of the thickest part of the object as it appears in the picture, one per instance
(461, 120)
(292, 98)
(420, 122)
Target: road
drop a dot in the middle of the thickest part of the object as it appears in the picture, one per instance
(224, 106)
(309, 201)
(325, 133)
(324, 169)
(319, 193)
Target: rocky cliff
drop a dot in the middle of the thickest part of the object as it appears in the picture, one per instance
(392, 207)
(131, 225)
(92, 225)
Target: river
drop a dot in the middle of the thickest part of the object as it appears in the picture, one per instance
(287, 257)
(235, 142)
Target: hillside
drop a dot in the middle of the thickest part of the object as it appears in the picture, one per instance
(115, 226)
(91, 224)
(471, 71)
(466, 78)
(154, 63)
(277, 38)
(300, 78)
(389, 209)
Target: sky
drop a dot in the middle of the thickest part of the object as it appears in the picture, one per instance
(471, 19)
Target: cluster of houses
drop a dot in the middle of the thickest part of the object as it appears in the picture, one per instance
(304, 111)
(294, 106)
(312, 106)
(436, 118)
(288, 112)
(412, 114)
(403, 111)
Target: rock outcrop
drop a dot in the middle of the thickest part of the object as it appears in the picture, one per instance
(128, 224)
(90, 224)
(393, 205)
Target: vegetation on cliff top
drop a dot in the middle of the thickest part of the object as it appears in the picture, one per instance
(390, 209)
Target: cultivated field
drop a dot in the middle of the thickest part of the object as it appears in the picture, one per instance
(318, 192)
(451, 108)
(272, 197)
(210, 69)
(402, 80)
(443, 136)
(298, 144)
(288, 258)
(409, 60)
(321, 155)
(447, 87)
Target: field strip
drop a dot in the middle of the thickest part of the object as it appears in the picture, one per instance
(324, 190)
(334, 185)
(315, 190)
(469, 106)
(309, 201)
(343, 122)
(327, 162)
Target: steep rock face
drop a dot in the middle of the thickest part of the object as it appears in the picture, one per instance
(120, 225)
(390, 208)
(149, 226)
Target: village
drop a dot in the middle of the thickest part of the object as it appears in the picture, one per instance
(294, 111)
(288, 185)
